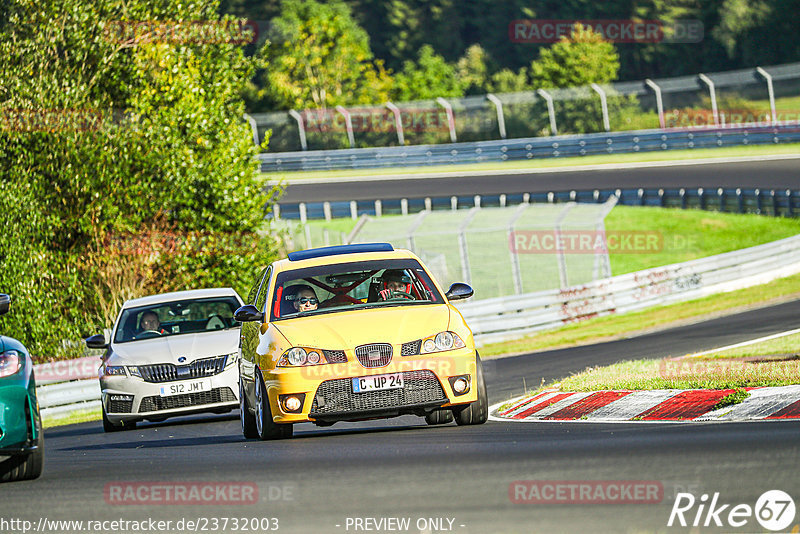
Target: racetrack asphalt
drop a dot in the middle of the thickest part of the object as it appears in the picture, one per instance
(401, 468)
(777, 174)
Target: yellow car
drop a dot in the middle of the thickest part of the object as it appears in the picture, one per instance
(355, 332)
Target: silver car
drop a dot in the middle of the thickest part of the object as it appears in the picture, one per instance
(170, 354)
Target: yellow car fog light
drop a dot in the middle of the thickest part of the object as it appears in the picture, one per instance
(429, 345)
(460, 384)
(313, 357)
(292, 403)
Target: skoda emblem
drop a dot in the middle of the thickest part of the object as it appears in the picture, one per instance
(182, 359)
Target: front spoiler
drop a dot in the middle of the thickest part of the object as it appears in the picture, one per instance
(16, 451)
(420, 409)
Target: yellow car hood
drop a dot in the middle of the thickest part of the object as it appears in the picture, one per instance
(348, 329)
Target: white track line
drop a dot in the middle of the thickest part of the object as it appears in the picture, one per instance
(745, 343)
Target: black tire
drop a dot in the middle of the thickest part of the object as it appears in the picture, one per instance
(248, 420)
(475, 413)
(441, 416)
(108, 426)
(266, 428)
(28, 466)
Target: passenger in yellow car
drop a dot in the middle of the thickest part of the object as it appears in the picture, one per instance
(305, 299)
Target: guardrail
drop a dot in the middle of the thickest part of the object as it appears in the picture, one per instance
(531, 148)
(503, 318)
(759, 201)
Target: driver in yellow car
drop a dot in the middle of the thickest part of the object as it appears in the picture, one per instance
(394, 281)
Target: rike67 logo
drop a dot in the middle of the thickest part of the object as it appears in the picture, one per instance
(774, 510)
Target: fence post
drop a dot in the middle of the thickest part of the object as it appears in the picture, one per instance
(659, 102)
(348, 125)
(301, 126)
(413, 228)
(378, 208)
(767, 76)
(758, 201)
(451, 121)
(254, 127)
(326, 209)
(682, 195)
(789, 208)
(551, 110)
(603, 105)
(353, 209)
(714, 111)
(454, 203)
(740, 200)
(774, 203)
(303, 213)
(501, 122)
(466, 272)
(701, 194)
(404, 206)
(516, 272)
(428, 204)
(560, 257)
(721, 195)
(398, 123)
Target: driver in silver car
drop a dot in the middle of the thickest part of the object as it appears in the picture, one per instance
(150, 322)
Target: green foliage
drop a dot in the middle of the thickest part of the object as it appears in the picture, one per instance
(580, 59)
(427, 78)
(110, 138)
(317, 57)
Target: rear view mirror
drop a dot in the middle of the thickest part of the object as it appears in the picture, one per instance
(97, 341)
(459, 291)
(5, 303)
(247, 314)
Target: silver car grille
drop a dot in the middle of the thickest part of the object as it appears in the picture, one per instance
(374, 354)
(167, 372)
(158, 403)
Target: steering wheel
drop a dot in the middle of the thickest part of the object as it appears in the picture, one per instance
(215, 322)
(401, 294)
(140, 334)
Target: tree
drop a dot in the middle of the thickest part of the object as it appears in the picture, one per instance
(427, 78)
(118, 134)
(318, 57)
(580, 59)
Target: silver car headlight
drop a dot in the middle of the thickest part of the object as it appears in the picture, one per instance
(134, 371)
(231, 359)
(113, 370)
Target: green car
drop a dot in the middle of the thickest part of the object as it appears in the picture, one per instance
(21, 440)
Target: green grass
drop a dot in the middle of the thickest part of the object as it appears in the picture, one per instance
(683, 234)
(81, 416)
(786, 346)
(689, 234)
(733, 398)
(677, 374)
(547, 163)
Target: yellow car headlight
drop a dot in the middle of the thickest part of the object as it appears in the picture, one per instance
(441, 342)
(300, 356)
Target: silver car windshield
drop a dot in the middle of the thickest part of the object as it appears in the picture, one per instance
(176, 318)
